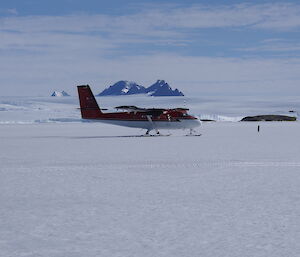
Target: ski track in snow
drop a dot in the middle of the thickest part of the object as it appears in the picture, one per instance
(69, 188)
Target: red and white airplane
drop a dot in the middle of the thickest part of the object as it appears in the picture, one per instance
(145, 118)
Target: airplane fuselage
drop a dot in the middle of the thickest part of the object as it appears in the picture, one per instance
(135, 117)
(145, 123)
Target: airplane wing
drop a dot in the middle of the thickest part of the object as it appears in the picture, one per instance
(147, 111)
(154, 112)
(181, 109)
(129, 108)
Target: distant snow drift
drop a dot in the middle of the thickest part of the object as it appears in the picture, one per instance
(60, 93)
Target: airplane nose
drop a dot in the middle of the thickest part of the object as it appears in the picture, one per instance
(199, 121)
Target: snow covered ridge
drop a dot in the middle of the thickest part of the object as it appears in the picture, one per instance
(60, 93)
(123, 87)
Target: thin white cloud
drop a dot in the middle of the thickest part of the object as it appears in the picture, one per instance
(52, 42)
(10, 11)
(273, 48)
(162, 19)
(273, 45)
(275, 16)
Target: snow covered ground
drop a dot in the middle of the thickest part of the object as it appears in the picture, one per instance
(70, 189)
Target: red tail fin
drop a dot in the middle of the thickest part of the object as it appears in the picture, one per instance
(88, 104)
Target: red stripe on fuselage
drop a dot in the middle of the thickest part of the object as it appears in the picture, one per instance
(140, 117)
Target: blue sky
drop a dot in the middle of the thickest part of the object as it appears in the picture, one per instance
(201, 47)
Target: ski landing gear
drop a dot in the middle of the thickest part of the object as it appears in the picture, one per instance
(193, 133)
(158, 134)
(149, 117)
(147, 134)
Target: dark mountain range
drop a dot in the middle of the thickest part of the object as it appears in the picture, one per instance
(123, 87)
(59, 94)
(162, 88)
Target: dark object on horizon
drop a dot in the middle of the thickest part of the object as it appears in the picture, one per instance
(269, 118)
(123, 87)
(207, 120)
(258, 128)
